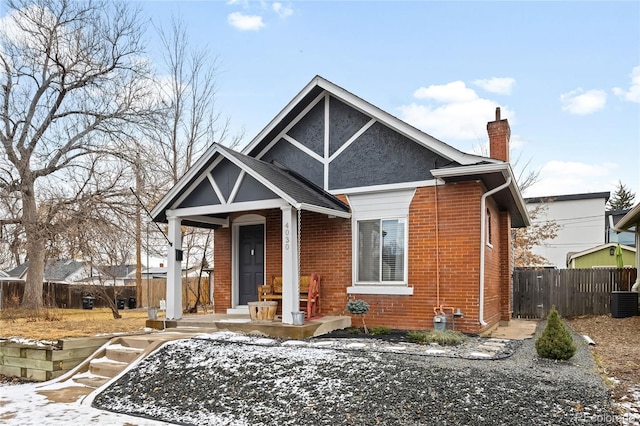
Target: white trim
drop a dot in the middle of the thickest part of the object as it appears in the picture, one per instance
(385, 188)
(229, 208)
(178, 187)
(290, 264)
(273, 123)
(353, 138)
(380, 206)
(244, 220)
(323, 210)
(216, 189)
(196, 182)
(303, 148)
(381, 289)
(236, 186)
(327, 148)
(268, 184)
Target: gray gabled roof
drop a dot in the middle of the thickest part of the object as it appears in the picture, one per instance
(54, 270)
(300, 190)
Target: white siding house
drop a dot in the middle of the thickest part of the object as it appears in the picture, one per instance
(581, 218)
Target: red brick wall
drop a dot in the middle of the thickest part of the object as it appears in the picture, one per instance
(326, 250)
(222, 269)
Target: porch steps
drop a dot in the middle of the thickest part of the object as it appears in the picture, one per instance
(104, 365)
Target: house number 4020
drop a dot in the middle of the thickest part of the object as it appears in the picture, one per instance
(286, 236)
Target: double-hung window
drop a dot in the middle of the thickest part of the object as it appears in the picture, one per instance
(381, 251)
(380, 242)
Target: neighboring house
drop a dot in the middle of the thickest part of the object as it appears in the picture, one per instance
(382, 211)
(631, 221)
(627, 238)
(62, 270)
(580, 218)
(602, 256)
(118, 275)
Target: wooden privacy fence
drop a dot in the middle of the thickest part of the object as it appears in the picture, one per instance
(158, 290)
(60, 295)
(573, 292)
(64, 295)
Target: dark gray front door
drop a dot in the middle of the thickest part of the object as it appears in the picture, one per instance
(250, 262)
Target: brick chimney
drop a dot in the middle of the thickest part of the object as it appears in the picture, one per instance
(499, 135)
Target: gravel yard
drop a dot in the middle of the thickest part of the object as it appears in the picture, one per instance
(223, 380)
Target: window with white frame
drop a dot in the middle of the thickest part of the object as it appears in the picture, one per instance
(381, 241)
(381, 251)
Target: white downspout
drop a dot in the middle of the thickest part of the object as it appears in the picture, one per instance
(483, 218)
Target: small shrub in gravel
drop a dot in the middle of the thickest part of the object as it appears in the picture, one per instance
(447, 337)
(358, 307)
(378, 331)
(556, 341)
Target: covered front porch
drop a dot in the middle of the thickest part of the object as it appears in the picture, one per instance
(243, 324)
(234, 195)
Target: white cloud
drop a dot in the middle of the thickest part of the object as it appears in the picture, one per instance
(282, 11)
(633, 94)
(244, 22)
(499, 85)
(571, 177)
(579, 102)
(462, 115)
(455, 91)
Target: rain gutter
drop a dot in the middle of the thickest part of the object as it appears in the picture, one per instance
(483, 219)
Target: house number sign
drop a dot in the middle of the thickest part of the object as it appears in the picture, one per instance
(287, 239)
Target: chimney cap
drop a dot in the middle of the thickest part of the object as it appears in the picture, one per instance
(497, 113)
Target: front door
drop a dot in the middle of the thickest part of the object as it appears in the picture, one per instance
(250, 262)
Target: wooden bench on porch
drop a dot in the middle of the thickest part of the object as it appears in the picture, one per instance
(309, 293)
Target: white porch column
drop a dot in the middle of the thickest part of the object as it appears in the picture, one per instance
(290, 272)
(174, 271)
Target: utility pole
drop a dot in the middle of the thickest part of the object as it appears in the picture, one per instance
(139, 185)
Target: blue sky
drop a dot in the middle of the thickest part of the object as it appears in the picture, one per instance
(566, 74)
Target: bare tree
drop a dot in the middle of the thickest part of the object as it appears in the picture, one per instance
(72, 79)
(525, 239)
(191, 122)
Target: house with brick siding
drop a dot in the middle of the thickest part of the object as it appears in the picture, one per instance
(379, 209)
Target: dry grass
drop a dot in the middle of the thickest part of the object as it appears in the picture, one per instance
(617, 347)
(53, 324)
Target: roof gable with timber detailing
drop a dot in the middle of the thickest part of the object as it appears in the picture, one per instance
(339, 142)
(223, 181)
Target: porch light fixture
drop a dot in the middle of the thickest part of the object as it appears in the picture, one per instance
(179, 255)
(612, 251)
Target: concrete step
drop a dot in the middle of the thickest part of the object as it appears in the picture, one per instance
(123, 353)
(90, 380)
(106, 367)
(138, 342)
